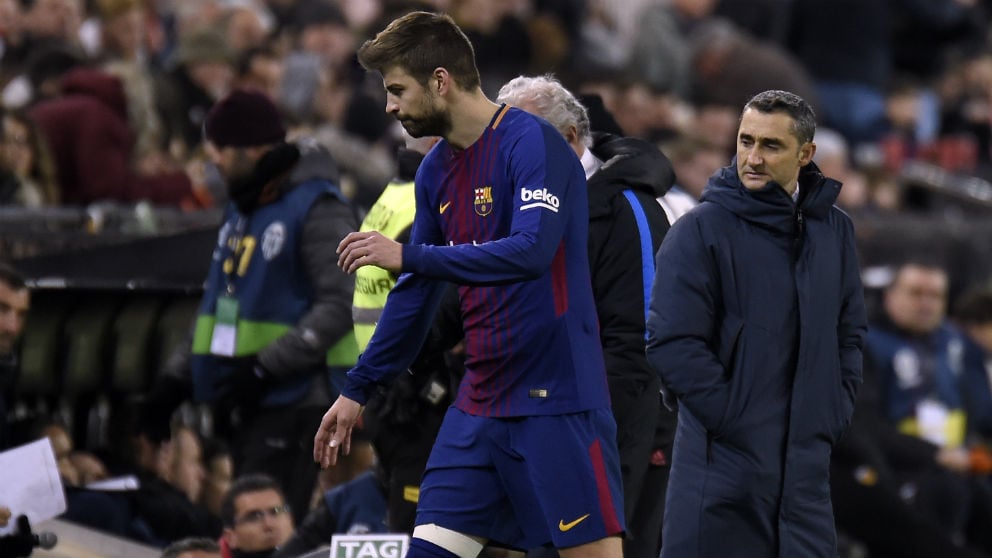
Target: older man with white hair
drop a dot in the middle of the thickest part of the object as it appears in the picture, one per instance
(626, 226)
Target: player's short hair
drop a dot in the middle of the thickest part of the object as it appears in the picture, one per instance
(420, 42)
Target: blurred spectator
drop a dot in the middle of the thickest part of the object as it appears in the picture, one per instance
(203, 73)
(323, 31)
(922, 365)
(767, 20)
(193, 547)
(248, 25)
(834, 159)
(91, 144)
(186, 472)
(15, 301)
(122, 55)
(27, 173)
(106, 511)
(167, 475)
(846, 47)
(55, 20)
(321, 73)
(927, 34)
(261, 68)
(500, 39)
(256, 518)
(42, 77)
(661, 51)
(356, 507)
(640, 110)
(12, 40)
(89, 468)
(875, 473)
(727, 67)
(62, 447)
(973, 314)
(716, 125)
(694, 161)
(965, 93)
(219, 467)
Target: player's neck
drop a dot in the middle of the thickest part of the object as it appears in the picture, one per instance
(471, 112)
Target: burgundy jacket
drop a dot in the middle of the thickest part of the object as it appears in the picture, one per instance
(88, 133)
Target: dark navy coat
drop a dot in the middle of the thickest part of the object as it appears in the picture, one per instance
(756, 325)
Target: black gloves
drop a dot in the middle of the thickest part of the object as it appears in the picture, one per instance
(245, 383)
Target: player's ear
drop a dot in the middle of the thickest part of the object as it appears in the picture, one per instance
(440, 80)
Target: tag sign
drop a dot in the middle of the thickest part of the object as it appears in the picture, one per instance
(392, 545)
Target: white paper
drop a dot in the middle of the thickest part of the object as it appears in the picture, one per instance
(222, 343)
(116, 484)
(30, 484)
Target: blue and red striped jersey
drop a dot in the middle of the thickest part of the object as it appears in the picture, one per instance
(507, 220)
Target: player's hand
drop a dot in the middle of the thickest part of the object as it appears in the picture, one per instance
(4, 516)
(369, 248)
(334, 432)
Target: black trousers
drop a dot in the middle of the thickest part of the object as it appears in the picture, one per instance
(636, 410)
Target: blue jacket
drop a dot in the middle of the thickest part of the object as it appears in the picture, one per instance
(756, 325)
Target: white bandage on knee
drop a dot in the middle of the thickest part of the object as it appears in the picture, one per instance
(452, 541)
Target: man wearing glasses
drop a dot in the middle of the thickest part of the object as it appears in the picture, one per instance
(256, 518)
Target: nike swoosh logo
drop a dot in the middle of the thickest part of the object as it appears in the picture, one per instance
(444, 207)
(562, 526)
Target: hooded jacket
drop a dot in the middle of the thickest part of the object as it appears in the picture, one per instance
(91, 142)
(615, 242)
(756, 325)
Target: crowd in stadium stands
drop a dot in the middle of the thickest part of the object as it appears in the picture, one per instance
(135, 79)
(106, 100)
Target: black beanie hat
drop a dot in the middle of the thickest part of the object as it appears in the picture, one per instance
(244, 118)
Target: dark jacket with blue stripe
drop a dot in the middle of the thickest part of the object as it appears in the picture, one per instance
(757, 323)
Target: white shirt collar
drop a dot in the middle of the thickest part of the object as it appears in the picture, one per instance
(590, 163)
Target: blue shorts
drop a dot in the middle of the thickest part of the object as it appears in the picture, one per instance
(524, 482)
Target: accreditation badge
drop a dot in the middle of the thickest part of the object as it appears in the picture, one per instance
(225, 335)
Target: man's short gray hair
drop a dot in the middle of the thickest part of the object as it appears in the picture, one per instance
(548, 98)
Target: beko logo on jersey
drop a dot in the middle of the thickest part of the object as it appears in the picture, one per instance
(539, 198)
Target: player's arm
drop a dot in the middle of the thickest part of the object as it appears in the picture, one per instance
(682, 321)
(537, 163)
(406, 318)
(404, 324)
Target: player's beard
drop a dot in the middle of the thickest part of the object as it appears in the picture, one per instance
(433, 122)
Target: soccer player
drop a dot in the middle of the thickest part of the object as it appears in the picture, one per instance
(526, 456)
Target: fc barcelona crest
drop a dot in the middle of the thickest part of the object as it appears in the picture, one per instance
(484, 200)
